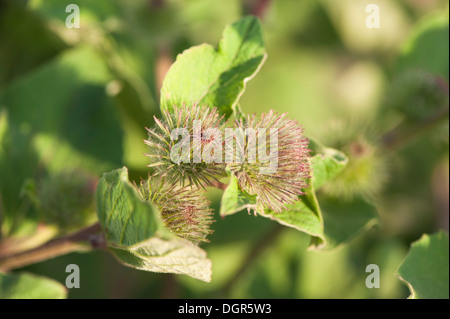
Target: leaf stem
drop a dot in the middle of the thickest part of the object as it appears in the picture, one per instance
(403, 133)
(56, 247)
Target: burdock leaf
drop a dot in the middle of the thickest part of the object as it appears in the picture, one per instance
(303, 215)
(125, 218)
(327, 165)
(136, 235)
(29, 286)
(176, 256)
(234, 199)
(425, 269)
(216, 77)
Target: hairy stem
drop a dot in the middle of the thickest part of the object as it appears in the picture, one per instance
(56, 247)
(255, 252)
(403, 134)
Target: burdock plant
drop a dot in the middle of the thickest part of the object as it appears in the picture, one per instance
(204, 140)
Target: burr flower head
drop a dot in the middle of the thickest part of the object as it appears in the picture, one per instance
(367, 170)
(182, 209)
(271, 159)
(185, 130)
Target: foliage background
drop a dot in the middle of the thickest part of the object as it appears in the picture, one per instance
(79, 100)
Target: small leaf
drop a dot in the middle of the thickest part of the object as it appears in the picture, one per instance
(303, 215)
(426, 268)
(176, 256)
(234, 200)
(28, 286)
(125, 218)
(213, 77)
(327, 165)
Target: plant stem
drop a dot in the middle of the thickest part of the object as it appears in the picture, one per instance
(403, 134)
(258, 248)
(219, 185)
(56, 247)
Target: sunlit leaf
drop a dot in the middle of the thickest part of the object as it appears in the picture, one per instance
(174, 255)
(216, 77)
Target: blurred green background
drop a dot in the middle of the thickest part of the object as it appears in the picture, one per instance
(79, 100)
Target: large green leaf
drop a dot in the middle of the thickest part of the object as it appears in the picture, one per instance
(25, 48)
(216, 77)
(426, 268)
(431, 34)
(78, 110)
(125, 218)
(28, 286)
(135, 233)
(174, 255)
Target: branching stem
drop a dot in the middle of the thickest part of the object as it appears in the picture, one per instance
(56, 247)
